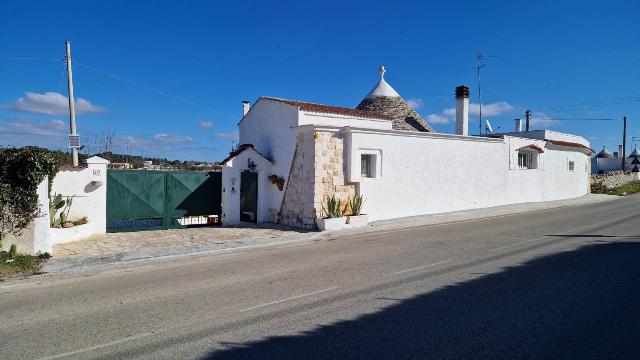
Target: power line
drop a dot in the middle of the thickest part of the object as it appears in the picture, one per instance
(146, 87)
(594, 104)
(18, 59)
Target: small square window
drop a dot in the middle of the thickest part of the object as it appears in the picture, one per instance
(572, 166)
(368, 165)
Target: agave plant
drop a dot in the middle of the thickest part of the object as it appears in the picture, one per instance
(333, 207)
(55, 203)
(355, 203)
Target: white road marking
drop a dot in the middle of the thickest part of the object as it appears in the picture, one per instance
(96, 347)
(289, 299)
(422, 267)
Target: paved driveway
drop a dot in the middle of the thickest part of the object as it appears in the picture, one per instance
(195, 238)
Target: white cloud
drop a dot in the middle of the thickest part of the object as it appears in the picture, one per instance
(166, 138)
(229, 136)
(205, 124)
(415, 103)
(19, 132)
(52, 103)
(437, 119)
(542, 119)
(493, 109)
(488, 110)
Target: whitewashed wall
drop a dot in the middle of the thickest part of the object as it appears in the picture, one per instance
(435, 173)
(88, 186)
(34, 239)
(269, 127)
(231, 185)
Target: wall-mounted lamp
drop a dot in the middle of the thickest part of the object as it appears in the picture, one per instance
(251, 165)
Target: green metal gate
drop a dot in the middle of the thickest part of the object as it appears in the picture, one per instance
(151, 200)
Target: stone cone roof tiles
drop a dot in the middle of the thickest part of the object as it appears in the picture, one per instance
(635, 153)
(604, 154)
(383, 99)
(636, 161)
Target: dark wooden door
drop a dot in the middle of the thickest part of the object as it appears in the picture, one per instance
(249, 196)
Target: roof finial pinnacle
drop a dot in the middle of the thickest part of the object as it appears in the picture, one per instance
(382, 71)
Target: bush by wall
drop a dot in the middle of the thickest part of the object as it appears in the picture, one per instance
(21, 170)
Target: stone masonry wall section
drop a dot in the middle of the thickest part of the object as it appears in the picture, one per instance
(317, 173)
(298, 204)
(330, 170)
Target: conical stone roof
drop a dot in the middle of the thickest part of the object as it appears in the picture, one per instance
(604, 154)
(635, 153)
(385, 100)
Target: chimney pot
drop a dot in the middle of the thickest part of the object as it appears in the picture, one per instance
(462, 110)
(518, 125)
(619, 151)
(245, 107)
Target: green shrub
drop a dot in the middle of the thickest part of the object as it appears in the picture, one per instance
(333, 207)
(355, 204)
(21, 171)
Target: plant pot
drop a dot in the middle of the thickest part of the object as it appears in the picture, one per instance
(330, 224)
(358, 220)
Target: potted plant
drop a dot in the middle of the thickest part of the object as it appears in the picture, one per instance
(277, 180)
(334, 210)
(356, 219)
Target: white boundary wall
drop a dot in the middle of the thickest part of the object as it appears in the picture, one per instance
(421, 173)
(88, 186)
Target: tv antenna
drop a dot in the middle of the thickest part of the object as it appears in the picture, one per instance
(480, 57)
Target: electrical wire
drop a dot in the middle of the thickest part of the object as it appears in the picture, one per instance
(146, 87)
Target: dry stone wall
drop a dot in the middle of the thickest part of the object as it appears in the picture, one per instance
(612, 179)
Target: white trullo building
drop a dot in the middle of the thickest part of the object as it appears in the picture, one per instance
(293, 155)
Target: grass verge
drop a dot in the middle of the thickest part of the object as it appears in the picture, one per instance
(20, 265)
(624, 190)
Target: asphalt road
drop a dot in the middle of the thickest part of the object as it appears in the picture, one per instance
(562, 283)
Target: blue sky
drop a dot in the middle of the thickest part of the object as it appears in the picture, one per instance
(168, 77)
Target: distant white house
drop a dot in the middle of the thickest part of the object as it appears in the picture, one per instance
(383, 150)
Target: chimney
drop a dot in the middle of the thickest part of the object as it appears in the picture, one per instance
(518, 125)
(245, 107)
(620, 151)
(462, 110)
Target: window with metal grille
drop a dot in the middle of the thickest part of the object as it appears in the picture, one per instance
(527, 159)
(572, 166)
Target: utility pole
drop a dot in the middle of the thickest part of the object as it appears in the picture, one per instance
(624, 140)
(74, 140)
(527, 117)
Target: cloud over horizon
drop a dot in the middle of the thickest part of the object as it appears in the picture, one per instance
(205, 124)
(488, 110)
(52, 103)
(228, 136)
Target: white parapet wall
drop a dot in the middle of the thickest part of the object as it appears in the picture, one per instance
(88, 187)
(422, 173)
(34, 240)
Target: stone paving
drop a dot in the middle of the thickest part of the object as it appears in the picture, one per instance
(195, 238)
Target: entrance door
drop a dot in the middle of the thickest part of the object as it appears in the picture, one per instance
(249, 196)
